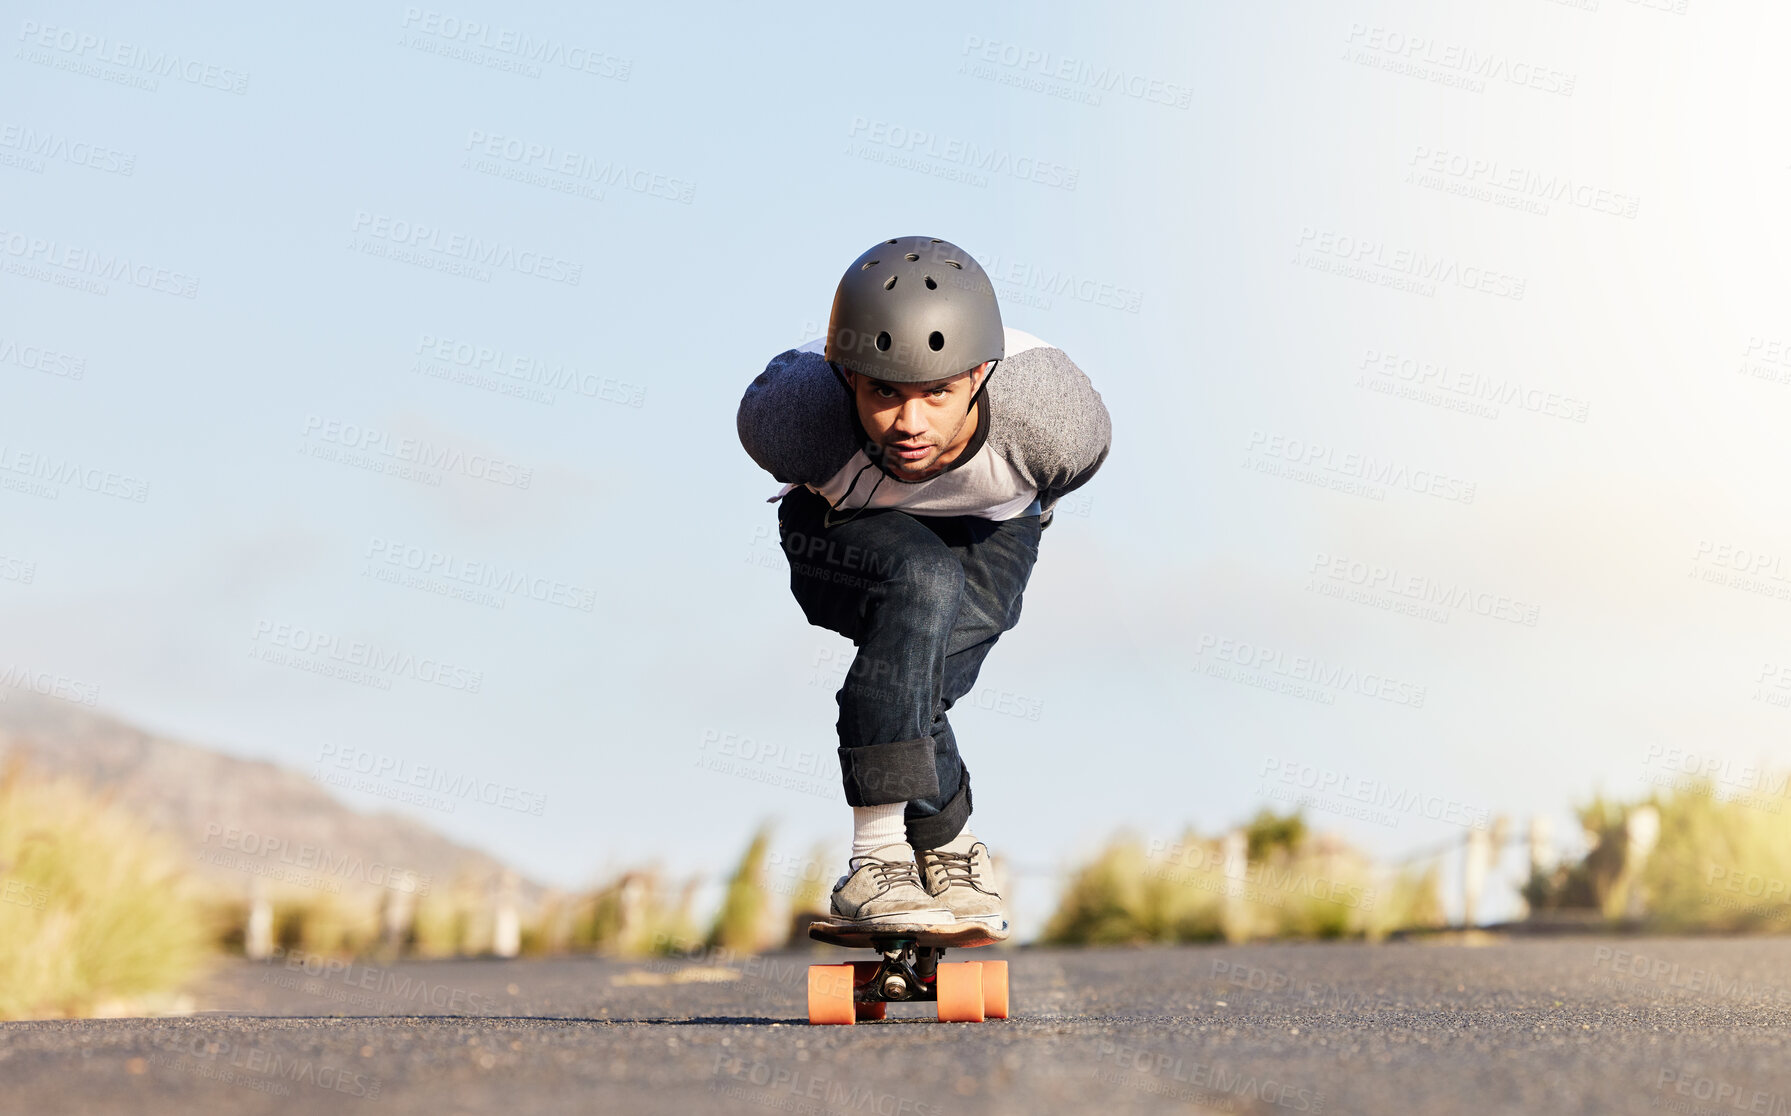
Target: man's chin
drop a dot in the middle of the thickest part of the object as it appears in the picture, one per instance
(919, 468)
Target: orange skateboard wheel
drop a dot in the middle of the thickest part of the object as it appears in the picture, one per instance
(863, 972)
(994, 989)
(830, 994)
(960, 989)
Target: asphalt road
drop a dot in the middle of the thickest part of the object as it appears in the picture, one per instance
(1535, 1027)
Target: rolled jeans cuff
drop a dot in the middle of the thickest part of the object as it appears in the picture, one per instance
(878, 774)
(938, 830)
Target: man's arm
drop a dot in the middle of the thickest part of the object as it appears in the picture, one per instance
(793, 420)
(1057, 424)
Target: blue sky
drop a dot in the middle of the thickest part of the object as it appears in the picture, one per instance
(1391, 303)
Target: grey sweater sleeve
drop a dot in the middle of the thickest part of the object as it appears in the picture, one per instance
(1050, 421)
(793, 420)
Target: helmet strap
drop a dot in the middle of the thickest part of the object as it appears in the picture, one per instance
(982, 387)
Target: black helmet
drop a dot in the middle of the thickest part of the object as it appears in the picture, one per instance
(914, 309)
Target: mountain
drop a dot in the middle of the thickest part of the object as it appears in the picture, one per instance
(241, 820)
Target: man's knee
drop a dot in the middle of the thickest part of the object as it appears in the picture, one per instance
(928, 578)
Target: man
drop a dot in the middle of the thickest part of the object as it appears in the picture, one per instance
(917, 481)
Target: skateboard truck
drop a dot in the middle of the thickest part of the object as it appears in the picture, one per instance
(966, 992)
(907, 972)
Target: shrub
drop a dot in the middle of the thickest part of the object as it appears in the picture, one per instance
(97, 913)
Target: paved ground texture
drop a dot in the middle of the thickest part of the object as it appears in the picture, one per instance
(1535, 1027)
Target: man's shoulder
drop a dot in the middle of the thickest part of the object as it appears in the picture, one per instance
(1036, 374)
(1045, 407)
(793, 419)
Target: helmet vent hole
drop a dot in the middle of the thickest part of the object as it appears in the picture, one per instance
(889, 283)
(883, 342)
(868, 266)
(911, 257)
(889, 241)
(931, 286)
(936, 240)
(955, 264)
(935, 341)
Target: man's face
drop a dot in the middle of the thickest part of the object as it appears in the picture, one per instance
(917, 424)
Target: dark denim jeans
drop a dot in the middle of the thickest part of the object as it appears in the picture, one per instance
(924, 598)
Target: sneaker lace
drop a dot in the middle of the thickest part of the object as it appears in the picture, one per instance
(891, 873)
(955, 868)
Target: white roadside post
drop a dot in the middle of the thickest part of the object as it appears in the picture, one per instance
(258, 935)
(1642, 827)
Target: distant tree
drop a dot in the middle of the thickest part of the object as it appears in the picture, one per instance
(739, 925)
(1269, 831)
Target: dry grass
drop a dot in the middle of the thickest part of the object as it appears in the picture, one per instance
(1288, 884)
(97, 913)
(1722, 863)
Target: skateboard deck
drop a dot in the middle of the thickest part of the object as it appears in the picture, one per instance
(964, 935)
(911, 970)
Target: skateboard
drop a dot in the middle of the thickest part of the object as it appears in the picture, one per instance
(911, 971)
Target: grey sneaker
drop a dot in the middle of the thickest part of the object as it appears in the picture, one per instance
(883, 890)
(961, 875)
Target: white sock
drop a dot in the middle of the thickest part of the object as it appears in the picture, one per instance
(873, 827)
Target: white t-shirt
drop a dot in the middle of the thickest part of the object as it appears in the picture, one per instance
(987, 485)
